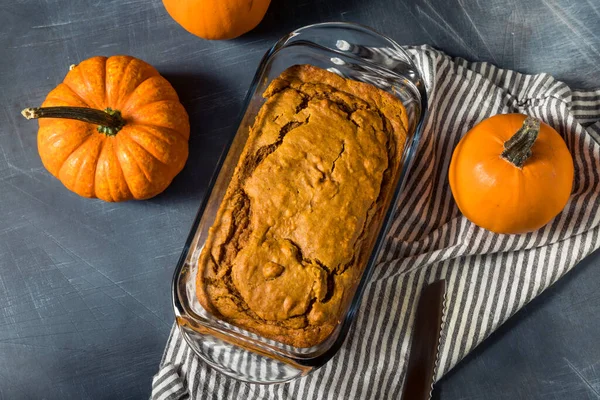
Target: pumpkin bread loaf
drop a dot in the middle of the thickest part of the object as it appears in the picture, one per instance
(297, 223)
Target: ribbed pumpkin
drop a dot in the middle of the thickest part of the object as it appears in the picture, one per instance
(113, 129)
(217, 19)
(511, 174)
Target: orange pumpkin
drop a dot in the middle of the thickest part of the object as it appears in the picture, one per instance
(113, 129)
(217, 19)
(511, 174)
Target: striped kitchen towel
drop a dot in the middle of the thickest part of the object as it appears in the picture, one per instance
(489, 276)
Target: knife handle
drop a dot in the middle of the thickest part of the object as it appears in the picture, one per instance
(422, 362)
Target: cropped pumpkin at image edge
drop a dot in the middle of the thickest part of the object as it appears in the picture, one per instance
(217, 19)
(114, 129)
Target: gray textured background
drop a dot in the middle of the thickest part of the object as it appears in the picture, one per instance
(84, 285)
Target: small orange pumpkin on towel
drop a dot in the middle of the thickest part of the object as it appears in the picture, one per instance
(511, 174)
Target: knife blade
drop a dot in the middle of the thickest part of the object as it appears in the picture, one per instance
(423, 358)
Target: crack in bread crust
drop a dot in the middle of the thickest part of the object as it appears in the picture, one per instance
(296, 226)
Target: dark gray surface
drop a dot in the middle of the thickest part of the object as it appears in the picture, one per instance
(84, 285)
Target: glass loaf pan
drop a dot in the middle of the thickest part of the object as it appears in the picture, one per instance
(354, 52)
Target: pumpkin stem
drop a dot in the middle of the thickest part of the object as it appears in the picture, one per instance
(517, 149)
(109, 121)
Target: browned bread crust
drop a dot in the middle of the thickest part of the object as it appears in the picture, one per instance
(295, 228)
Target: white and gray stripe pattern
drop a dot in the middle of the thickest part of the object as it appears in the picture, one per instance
(489, 276)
